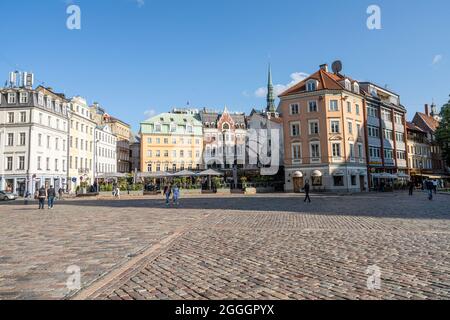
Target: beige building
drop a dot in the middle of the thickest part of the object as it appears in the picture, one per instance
(324, 141)
(81, 144)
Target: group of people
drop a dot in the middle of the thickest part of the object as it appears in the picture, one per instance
(50, 194)
(431, 186)
(173, 191)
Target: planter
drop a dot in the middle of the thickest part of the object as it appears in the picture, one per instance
(250, 191)
(223, 191)
(190, 191)
(265, 189)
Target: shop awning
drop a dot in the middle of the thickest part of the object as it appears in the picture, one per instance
(298, 174)
(317, 173)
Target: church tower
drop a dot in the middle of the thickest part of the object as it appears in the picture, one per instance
(270, 94)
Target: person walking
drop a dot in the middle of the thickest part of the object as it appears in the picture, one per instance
(435, 186)
(307, 189)
(60, 194)
(411, 187)
(51, 195)
(167, 193)
(429, 186)
(41, 195)
(176, 195)
(117, 192)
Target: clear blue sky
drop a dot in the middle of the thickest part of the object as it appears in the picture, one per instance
(136, 56)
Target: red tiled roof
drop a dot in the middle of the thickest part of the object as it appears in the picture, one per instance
(325, 79)
(432, 123)
(412, 126)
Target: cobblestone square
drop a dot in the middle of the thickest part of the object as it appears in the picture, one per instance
(232, 247)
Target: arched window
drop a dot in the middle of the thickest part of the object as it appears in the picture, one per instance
(348, 85)
(356, 87)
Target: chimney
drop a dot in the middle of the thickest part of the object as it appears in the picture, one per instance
(324, 67)
(427, 110)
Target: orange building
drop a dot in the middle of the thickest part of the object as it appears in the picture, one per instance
(324, 140)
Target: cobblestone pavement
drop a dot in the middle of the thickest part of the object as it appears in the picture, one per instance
(235, 247)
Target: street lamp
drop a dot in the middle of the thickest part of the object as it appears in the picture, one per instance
(95, 163)
(421, 174)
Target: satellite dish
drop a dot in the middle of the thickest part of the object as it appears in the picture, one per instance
(337, 66)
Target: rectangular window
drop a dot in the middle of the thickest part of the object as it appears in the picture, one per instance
(174, 153)
(360, 151)
(295, 129)
(296, 152)
(22, 139)
(314, 127)
(372, 112)
(374, 153)
(48, 142)
(295, 109)
(349, 107)
(335, 126)
(39, 163)
(12, 97)
(399, 137)
(149, 153)
(374, 132)
(312, 106)
(352, 150)
(388, 134)
(336, 150)
(48, 164)
(23, 117)
(350, 127)
(10, 117)
(389, 154)
(9, 163)
(56, 165)
(21, 163)
(357, 109)
(23, 97)
(334, 106)
(315, 150)
(10, 139)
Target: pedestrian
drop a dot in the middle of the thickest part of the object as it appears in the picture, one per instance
(411, 187)
(167, 193)
(429, 186)
(51, 195)
(60, 193)
(118, 192)
(41, 195)
(176, 195)
(307, 189)
(435, 186)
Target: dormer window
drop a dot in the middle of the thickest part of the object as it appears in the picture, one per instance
(12, 97)
(348, 85)
(24, 97)
(49, 102)
(225, 126)
(173, 127)
(189, 129)
(356, 87)
(311, 85)
(57, 106)
(157, 127)
(40, 99)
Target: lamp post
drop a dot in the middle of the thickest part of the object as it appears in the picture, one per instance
(95, 163)
(421, 174)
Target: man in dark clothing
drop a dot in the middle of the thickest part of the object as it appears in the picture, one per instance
(42, 194)
(429, 187)
(307, 189)
(51, 195)
(411, 188)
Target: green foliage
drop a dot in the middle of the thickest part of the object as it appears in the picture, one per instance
(443, 133)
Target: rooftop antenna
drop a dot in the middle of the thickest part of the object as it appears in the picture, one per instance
(337, 66)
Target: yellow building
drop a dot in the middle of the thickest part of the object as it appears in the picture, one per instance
(171, 142)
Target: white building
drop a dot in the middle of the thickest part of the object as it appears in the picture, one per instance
(106, 151)
(33, 137)
(81, 132)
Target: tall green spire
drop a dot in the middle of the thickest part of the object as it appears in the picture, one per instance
(270, 95)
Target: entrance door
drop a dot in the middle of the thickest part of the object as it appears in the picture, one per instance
(298, 185)
(362, 182)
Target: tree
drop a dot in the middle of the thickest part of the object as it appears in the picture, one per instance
(443, 133)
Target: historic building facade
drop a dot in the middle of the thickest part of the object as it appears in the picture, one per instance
(105, 155)
(81, 144)
(386, 133)
(135, 152)
(428, 122)
(419, 153)
(33, 138)
(121, 130)
(225, 139)
(171, 142)
(324, 141)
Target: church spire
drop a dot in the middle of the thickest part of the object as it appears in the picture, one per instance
(270, 95)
